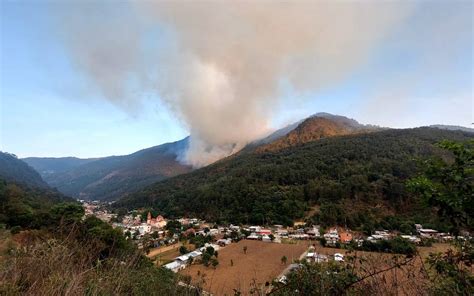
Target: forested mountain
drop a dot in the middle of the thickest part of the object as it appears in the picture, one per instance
(355, 180)
(110, 177)
(321, 125)
(15, 170)
(51, 165)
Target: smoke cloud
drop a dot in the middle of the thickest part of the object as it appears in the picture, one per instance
(221, 65)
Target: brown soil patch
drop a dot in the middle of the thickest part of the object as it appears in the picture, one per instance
(262, 263)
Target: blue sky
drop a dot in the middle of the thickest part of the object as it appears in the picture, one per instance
(48, 109)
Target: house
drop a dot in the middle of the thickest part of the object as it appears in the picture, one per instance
(282, 232)
(189, 232)
(234, 227)
(255, 229)
(144, 228)
(338, 257)
(318, 258)
(428, 233)
(158, 222)
(224, 242)
(264, 232)
(379, 235)
(411, 238)
(345, 237)
(314, 232)
(215, 247)
(174, 266)
(332, 236)
(213, 231)
(299, 236)
(253, 236)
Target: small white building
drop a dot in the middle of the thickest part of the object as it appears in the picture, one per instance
(428, 233)
(174, 266)
(338, 257)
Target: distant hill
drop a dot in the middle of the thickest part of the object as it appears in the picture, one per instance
(15, 170)
(52, 165)
(109, 177)
(453, 128)
(356, 180)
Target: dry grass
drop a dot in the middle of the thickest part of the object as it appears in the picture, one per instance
(261, 264)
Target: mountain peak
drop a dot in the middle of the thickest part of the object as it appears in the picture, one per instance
(313, 128)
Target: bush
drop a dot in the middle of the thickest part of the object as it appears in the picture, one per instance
(15, 229)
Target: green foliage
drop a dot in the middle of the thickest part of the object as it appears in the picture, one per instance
(448, 184)
(32, 207)
(317, 279)
(15, 229)
(346, 175)
(174, 227)
(67, 213)
(200, 240)
(396, 245)
(183, 250)
(453, 270)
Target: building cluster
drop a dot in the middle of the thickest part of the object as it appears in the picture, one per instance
(134, 225)
(97, 209)
(181, 262)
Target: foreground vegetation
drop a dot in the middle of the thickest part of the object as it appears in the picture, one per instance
(49, 249)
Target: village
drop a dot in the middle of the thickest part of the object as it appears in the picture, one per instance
(193, 238)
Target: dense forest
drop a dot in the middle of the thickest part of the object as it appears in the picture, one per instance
(355, 180)
(14, 169)
(27, 206)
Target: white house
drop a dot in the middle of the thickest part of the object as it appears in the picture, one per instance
(428, 233)
(338, 257)
(174, 266)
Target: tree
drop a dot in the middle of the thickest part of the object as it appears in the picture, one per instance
(67, 213)
(205, 258)
(448, 185)
(284, 259)
(245, 249)
(216, 254)
(214, 262)
(272, 237)
(210, 250)
(183, 250)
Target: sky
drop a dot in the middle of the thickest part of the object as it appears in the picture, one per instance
(415, 70)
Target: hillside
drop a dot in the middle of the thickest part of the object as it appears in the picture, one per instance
(356, 180)
(51, 165)
(312, 129)
(15, 170)
(109, 177)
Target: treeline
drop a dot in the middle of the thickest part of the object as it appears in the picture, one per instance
(357, 180)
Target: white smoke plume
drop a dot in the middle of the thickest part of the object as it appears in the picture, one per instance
(220, 65)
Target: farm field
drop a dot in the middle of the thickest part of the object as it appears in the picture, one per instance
(262, 263)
